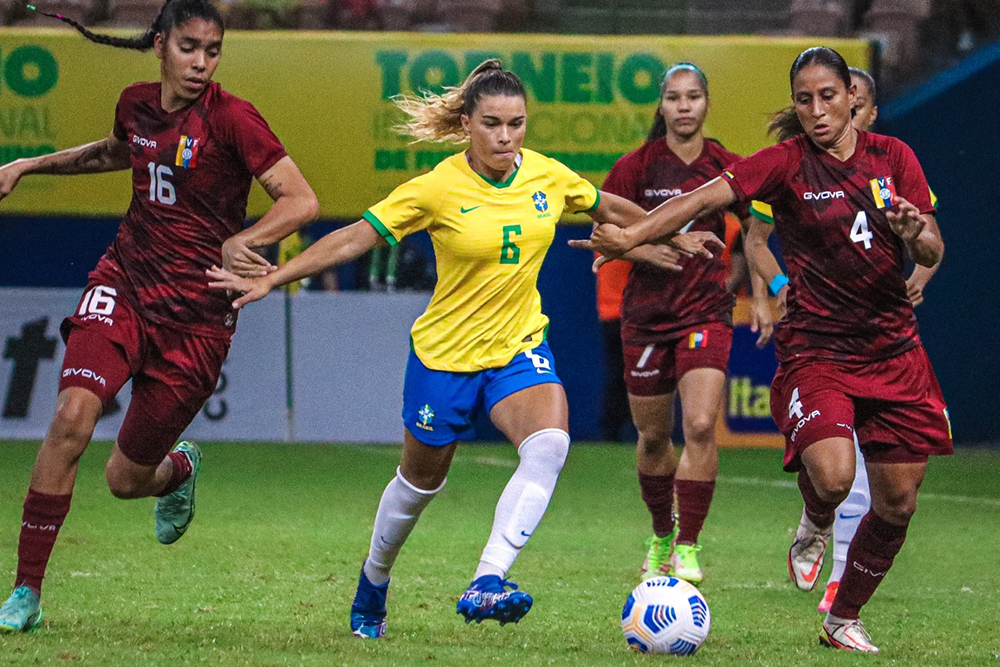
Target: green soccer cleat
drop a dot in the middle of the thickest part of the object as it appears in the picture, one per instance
(22, 612)
(657, 563)
(175, 511)
(684, 563)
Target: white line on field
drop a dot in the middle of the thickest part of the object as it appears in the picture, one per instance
(499, 462)
(785, 484)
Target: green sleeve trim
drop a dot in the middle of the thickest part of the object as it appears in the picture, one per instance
(760, 215)
(380, 228)
(597, 202)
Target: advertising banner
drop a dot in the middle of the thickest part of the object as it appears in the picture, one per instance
(328, 96)
(248, 403)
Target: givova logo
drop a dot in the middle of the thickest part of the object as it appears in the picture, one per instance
(29, 70)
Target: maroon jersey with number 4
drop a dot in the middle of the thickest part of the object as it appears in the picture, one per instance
(847, 294)
(191, 174)
(659, 304)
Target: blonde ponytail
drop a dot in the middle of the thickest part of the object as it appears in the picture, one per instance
(438, 117)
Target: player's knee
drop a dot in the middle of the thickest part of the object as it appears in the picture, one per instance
(897, 508)
(699, 428)
(833, 486)
(548, 448)
(654, 440)
(73, 423)
(126, 484)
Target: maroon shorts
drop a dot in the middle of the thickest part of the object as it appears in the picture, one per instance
(173, 373)
(655, 369)
(895, 406)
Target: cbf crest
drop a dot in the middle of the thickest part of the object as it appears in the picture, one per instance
(541, 203)
(426, 415)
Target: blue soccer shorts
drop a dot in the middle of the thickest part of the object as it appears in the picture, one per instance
(440, 407)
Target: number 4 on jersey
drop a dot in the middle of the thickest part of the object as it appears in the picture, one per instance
(860, 232)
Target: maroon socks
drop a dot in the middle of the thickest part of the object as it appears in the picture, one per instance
(693, 501)
(870, 556)
(658, 494)
(182, 471)
(40, 523)
(819, 511)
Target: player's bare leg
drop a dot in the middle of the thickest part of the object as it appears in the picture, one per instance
(420, 476)
(701, 398)
(656, 463)
(825, 480)
(894, 488)
(47, 503)
(536, 419)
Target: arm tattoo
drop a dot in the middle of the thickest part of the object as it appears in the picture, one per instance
(272, 186)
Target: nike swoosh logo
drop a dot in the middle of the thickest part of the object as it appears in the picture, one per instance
(849, 516)
(467, 210)
(810, 576)
(525, 534)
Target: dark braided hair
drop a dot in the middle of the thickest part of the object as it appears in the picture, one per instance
(172, 14)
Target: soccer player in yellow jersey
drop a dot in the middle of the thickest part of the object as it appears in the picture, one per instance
(491, 213)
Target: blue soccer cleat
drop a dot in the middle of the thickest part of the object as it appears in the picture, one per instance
(488, 598)
(175, 511)
(22, 612)
(368, 608)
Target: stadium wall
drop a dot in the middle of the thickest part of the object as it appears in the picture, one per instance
(328, 97)
(950, 123)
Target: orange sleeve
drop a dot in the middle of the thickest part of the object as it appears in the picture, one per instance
(611, 279)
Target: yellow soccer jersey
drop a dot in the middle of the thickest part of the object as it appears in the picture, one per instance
(489, 242)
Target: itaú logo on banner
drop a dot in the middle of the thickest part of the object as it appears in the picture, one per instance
(828, 194)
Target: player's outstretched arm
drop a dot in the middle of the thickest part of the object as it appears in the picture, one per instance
(108, 154)
(333, 249)
(919, 232)
(616, 212)
(665, 219)
(295, 205)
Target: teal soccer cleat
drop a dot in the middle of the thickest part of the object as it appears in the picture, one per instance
(368, 609)
(22, 612)
(175, 511)
(488, 598)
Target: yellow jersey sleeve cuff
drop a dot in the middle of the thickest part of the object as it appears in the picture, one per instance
(380, 228)
(762, 211)
(597, 202)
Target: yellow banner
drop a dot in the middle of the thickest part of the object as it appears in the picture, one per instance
(327, 96)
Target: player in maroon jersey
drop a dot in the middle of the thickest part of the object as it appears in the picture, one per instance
(848, 205)
(677, 327)
(147, 313)
(785, 124)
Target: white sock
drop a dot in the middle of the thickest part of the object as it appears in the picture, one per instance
(849, 515)
(397, 514)
(524, 499)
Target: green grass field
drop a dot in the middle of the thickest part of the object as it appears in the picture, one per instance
(266, 574)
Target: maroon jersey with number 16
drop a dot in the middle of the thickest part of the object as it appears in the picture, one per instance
(847, 295)
(191, 174)
(657, 305)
